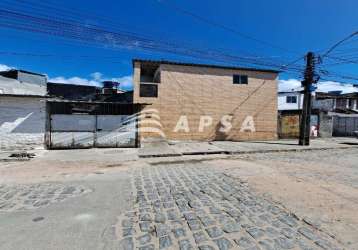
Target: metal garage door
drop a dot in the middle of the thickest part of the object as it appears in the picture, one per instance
(115, 131)
(87, 131)
(345, 125)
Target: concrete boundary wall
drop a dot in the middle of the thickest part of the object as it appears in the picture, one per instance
(22, 122)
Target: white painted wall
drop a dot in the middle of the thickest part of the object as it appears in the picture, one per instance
(22, 122)
(14, 87)
(282, 101)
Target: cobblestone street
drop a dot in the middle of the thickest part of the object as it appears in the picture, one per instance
(32, 196)
(195, 207)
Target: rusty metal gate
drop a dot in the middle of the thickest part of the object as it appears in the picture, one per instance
(289, 126)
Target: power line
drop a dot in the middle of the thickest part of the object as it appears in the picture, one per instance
(339, 43)
(80, 32)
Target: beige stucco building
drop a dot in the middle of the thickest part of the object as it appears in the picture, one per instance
(205, 102)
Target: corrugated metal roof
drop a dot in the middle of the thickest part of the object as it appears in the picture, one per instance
(204, 65)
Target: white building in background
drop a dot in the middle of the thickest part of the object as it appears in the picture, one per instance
(22, 109)
(290, 100)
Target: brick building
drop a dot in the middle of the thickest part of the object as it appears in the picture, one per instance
(214, 102)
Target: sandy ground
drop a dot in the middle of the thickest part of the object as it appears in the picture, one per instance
(319, 187)
(65, 165)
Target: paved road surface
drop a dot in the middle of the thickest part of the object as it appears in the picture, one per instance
(74, 215)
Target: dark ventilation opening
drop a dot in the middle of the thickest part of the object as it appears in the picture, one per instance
(150, 73)
(148, 90)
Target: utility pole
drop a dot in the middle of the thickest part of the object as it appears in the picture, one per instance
(307, 84)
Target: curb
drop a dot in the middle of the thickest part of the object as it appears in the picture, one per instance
(244, 152)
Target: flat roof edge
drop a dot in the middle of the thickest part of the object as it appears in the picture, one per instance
(205, 65)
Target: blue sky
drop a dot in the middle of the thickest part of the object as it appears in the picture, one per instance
(296, 26)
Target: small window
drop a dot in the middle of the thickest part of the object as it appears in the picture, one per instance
(241, 79)
(291, 99)
(148, 90)
(150, 73)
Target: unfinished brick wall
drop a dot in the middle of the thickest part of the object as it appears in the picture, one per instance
(206, 91)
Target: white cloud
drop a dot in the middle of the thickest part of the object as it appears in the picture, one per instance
(4, 67)
(326, 86)
(97, 76)
(289, 85)
(126, 82)
(75, 80)
(95, 79)
(336, 86)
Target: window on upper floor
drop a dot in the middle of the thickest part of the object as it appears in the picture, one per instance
(150, 73)
(148, 90)
(291, 99)
(240, 79)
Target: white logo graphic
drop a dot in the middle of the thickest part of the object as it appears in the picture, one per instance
(8, 127)
(205, 121)
(182, 125)
(149, 122)
(248, 125)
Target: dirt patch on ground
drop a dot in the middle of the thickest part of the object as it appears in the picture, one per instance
(63, 165)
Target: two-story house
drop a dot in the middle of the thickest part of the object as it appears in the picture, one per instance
(205, 102)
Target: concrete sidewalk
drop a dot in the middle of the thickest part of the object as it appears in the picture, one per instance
(169, 149)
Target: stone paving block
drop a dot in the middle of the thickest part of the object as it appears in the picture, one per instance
(256, 233)
(159, 218)
(266, 244)
(173, 215)
(126, 244)
(144, 239)
(223, 244)
(165, 242)
(194, 225)
(179, 232)
(215, 210)
(146, 227)
(162, 230)
(148, 247)
(200, 237)
(214, 232)
(272, 232)
(206, 247)
(128, 232)
(127, 223)
(231, 227)
(244, 242)
(284, 243)
(289, 220)
(207, 221)
(190, 216)
(324, 244)
(185, 245)
(289, 232)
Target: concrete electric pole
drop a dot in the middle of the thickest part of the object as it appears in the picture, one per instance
(307, 84)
